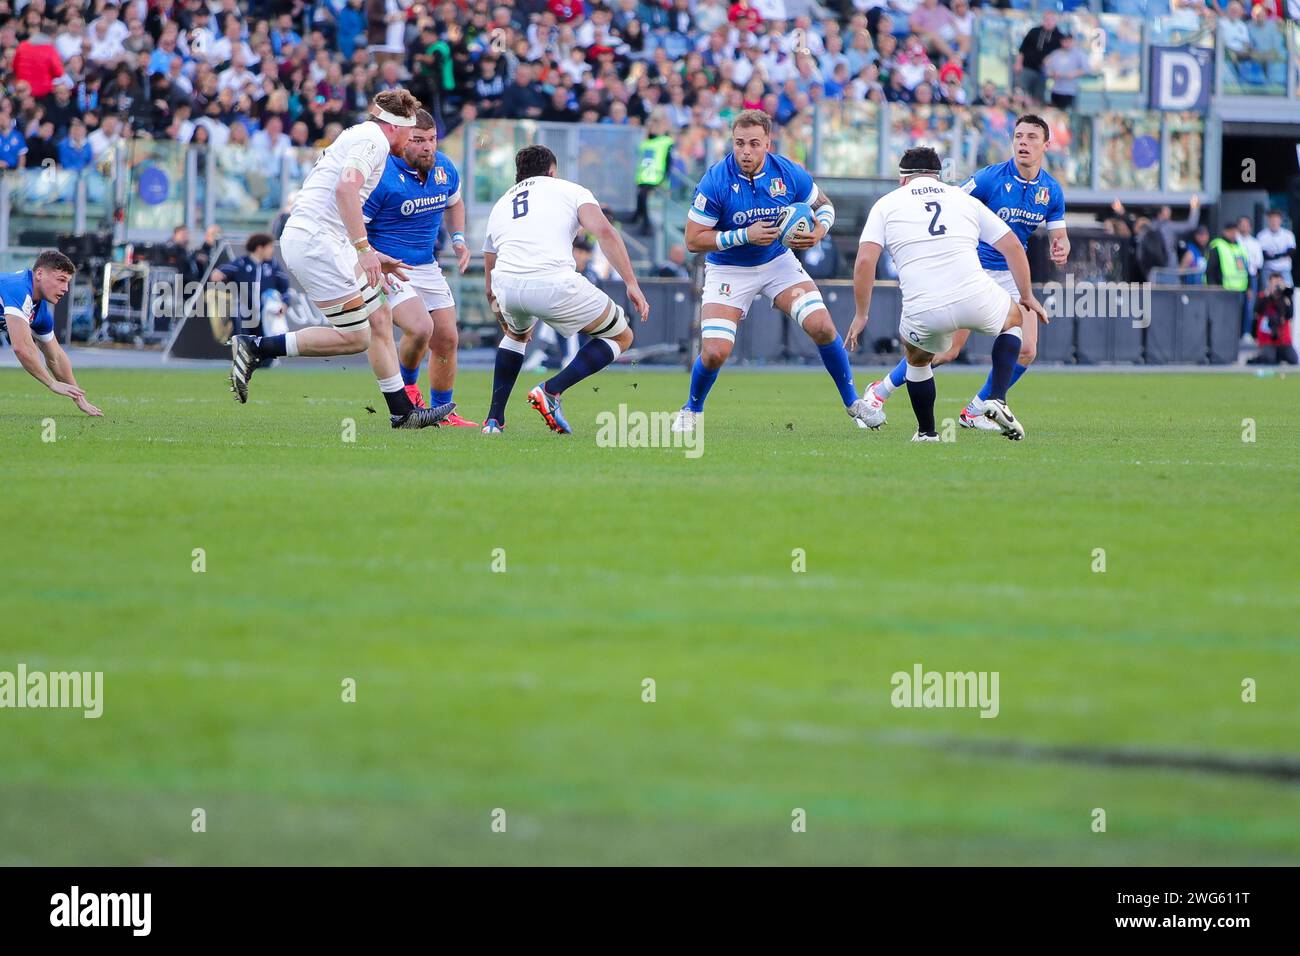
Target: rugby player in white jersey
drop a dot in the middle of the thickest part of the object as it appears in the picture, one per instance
(932, 231)
(530, 275)
(324, 245)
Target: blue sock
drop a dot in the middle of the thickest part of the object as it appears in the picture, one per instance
(899, 375)
(269, 346)
(836, 360)
(591, 358)
(438, 397)
(702, 380)
(1006, 347)
(510, 359)
(987, 390)
(410, 375)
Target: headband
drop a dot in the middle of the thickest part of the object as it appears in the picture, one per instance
(379, 113)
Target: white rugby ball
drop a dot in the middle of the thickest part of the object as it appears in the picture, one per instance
(795, 220)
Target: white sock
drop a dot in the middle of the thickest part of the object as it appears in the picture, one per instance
(884, 388)
(291, 343)
(975, 406)
(394, 384)
(919, 373)
(513, 345)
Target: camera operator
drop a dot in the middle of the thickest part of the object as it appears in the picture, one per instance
(1273, 312)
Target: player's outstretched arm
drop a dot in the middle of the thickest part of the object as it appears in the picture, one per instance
(61, 366)
(30, 357)
(864, 281)
(611, 243)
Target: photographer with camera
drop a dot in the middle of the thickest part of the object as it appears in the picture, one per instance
(1274, 310)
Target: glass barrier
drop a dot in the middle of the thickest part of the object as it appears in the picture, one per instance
(1184, 152)
(1131, 151)
(155, 198)
(1143, 9)
(1114, 48)
(1254, 57)
(42, 200)
(999, 39)
(246, 184)
(909, 126)
(1181, 29)
(1295, 58)
(848, 139)
(986, 140)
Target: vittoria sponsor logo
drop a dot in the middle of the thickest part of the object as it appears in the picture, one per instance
(424, 204)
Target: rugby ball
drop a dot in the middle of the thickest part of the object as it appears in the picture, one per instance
(795, 220)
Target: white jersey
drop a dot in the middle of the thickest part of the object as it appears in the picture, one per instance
(363, 148)
(531, 227)
(932, 230)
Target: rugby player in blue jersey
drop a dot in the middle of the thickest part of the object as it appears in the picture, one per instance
(1024, 196)
(26, 297)
(733, 219)
(403, 216)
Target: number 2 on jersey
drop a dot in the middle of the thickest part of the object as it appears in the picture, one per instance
(520, 205)
(935, 228)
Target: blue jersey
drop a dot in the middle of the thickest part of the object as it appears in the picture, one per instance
(1023, 204)
(403, 214)
(728, 199)
(16, 297)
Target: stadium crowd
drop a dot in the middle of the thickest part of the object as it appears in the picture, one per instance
(273, 75)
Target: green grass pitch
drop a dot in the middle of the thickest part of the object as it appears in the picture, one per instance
(522, 691)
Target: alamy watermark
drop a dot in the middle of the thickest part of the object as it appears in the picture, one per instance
(73, 690)
(223, 300)
(636, 429)
(922, 688)
(1085, 299)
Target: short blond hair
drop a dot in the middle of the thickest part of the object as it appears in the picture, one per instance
(753, 118)
(398, 102)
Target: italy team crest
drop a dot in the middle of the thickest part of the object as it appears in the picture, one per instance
(776, 188)
(724, 288)
(440, 176)
(1040, 197)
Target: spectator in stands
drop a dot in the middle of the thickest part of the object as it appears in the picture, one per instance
(1192, 255)
(1278, 246)
(37, 62)
(13, 145)
(1169, 230)
(1254, 256)
(1039, 43)
(1065, 66)
(1235, 36)
(675, 267)
(523, 98)
(43, 149)
(74, 151)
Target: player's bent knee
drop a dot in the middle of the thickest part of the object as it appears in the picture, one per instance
(611, 325)
(1027, 354)
(809, 312)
